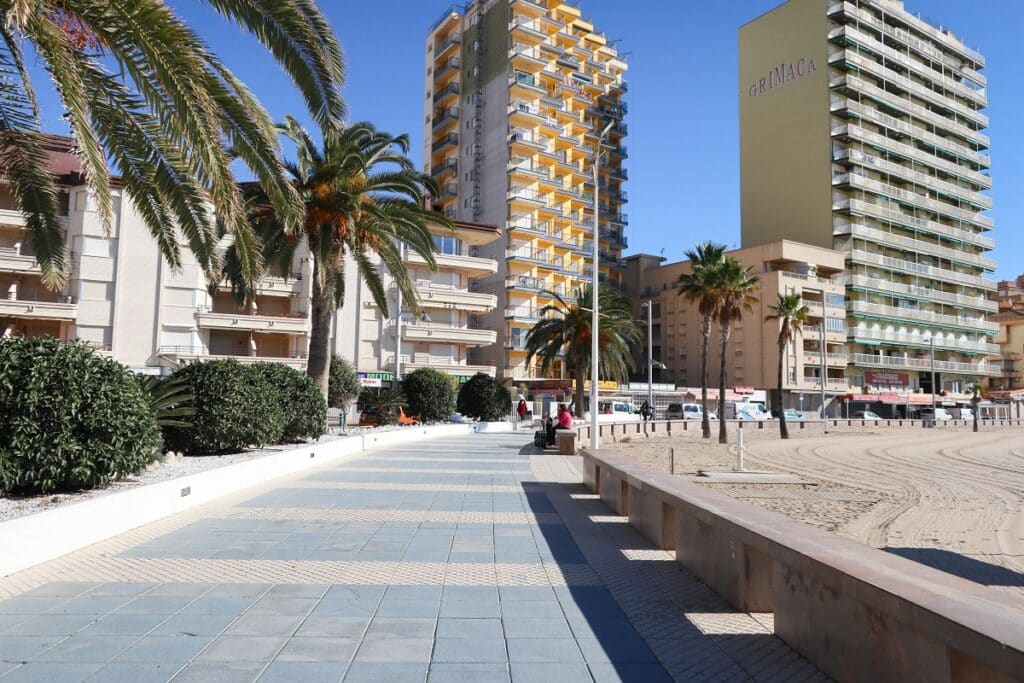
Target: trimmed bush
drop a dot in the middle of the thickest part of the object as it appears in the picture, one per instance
(299, 401)
(235, 407)
(484, 398)
(431, 394)
(343, 384)
(70, 418)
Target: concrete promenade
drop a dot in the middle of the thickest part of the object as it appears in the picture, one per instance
(460, 559)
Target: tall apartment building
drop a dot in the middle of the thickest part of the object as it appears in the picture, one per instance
(517, 92)
(781, 267)
(122, 298)
(862, 130)
(1010, 293)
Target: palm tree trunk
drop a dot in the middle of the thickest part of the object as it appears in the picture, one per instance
(723, 435)
(705, 420)
(783, 427)
(318, 367)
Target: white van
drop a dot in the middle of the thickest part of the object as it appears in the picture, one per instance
(745, 410)
(613, 410)
(940, 415)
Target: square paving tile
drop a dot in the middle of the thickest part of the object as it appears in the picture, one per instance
(190, 625)
(541, 672)
(165, 649)
(404, 650)
(221, 672)
(399, 627)
(135, 672)
(625, 672)
(243, 648)
(85, 648)
(23, 648)
(516, 627)
(413, 593)
(628, 650)
(283, 607)
(263, 625)
(468, 673)
(485, 609)
(408, 608)
(48, 672)
(55, 625)
(333, 627)
(535, 609)
(318, 650)
(469, 628)
(470, 650)
(372, 672)
(543, 650)
(303, 672)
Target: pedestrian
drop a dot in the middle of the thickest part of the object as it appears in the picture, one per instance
(645, 411)
(521, 409)
(564, 417)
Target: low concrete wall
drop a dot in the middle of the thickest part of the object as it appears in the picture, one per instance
(616, 431)
(30, 540)
(858, 613)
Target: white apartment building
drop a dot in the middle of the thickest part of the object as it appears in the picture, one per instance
(124, 299)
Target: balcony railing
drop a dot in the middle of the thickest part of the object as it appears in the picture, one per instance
(940, 274)
(182, 353)
(860, 181)
(920, 246)
(449, 139)
(878, 284)
(981, 368)
(861, 86)
(879, 118)
(922, 341)
(891, 213)
(450, 89)
(905, 313)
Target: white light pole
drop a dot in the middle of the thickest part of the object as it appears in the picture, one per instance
(398, 325)
(821, 351)
(650, 356)
(594, 346)
(931, 341)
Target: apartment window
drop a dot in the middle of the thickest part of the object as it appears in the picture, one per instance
(835, 324)
(448, 245)
(835, 300)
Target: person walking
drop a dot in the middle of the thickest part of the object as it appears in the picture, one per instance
(645, 411)
(521, 409)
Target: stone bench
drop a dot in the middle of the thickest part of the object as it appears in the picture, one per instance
(856, 612)
(565, 439)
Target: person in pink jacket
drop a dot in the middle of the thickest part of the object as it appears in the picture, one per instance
(564, 417)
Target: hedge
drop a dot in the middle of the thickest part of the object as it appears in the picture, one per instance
(70, 418)
(482, 397)
(299, 401)
(236, 406)
(343, 384)
(430, 394)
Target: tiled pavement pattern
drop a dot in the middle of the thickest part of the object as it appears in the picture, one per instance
(459, 560)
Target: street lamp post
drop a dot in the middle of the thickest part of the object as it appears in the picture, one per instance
(650, 355)
(398, 326)
(821, 352)
(931, 344)
(594, 346)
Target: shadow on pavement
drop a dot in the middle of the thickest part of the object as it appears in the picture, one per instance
(963, 566)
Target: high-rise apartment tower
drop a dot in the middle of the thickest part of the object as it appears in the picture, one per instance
(517, 92)
(862, 130)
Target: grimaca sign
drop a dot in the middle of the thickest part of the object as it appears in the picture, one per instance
(784, 73)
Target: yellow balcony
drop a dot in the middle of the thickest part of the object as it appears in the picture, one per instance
(470, 265)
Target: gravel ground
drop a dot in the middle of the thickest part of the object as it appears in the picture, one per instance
(945, 497)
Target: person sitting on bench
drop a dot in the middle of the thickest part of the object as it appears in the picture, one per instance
(564, 417)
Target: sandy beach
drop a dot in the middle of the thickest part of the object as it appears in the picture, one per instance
(949, 498)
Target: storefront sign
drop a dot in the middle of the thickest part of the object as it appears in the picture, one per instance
(743, 390)
(602, 385)
(374, 380)
(884, 378)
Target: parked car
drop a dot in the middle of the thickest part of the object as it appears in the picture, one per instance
(792, 414)
(938, 415)
(688, 411)
(962, 413)
(674, 411)
(865, 415)
(746, 410)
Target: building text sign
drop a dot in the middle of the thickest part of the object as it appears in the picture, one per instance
(886, 379)
(782, 74)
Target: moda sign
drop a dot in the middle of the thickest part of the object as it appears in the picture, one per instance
(887, 379)
(782, 74)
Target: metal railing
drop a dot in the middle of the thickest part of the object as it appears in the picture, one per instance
(979, 302)
(941, 342)
(891, 213)
(931, 271)
(938, 250)
(924, 364)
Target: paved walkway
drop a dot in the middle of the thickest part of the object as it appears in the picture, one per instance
(466, 559)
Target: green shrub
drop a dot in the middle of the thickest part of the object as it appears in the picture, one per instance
(382, 404)
(484, 398)
(299, 401)
(235, 407)
(343, 384)
(69, 418)
(431, 394)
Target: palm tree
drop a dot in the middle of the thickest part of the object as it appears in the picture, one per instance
(564, 332)
(161, 115)
(705, 261)
(735, 289)
(792, 314)
(362, 197)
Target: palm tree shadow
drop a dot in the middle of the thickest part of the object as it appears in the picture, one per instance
(964, 566)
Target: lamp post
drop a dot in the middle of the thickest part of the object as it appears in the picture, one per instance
(398, 326)
(931, 344)
(594, 346)
(650, 355)
(821, 353)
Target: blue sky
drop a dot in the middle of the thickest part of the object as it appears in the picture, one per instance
(683, 118)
